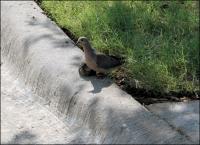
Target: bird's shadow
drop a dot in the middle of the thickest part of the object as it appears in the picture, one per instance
(97, 83)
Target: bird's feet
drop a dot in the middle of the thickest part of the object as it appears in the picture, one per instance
(84, 70)
(100, 75)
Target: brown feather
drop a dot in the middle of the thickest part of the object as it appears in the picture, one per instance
(107, 62)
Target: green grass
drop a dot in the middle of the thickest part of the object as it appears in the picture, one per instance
(161, 46)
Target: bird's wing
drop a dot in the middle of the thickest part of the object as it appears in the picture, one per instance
(106, 62)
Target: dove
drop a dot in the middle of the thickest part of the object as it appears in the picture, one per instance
(98, 62)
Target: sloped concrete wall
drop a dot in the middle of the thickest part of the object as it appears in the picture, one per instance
(47, 61)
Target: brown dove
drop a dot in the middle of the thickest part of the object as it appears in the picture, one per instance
(100, 63)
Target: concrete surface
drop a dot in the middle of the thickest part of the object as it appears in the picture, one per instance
(183, 116)
(45, 59)
(23, 119)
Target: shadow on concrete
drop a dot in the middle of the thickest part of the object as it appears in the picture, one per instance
(53, 35)
(98, 84)
(23, 137)
(115, 126)
(77, 61)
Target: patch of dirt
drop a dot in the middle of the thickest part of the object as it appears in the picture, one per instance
(147, 97)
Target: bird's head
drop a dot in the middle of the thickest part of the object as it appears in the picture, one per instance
(83, 42)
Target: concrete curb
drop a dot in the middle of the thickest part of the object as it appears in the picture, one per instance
(182, 115)
(47, 61)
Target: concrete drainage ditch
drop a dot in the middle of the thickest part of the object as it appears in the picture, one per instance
(96, 111)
